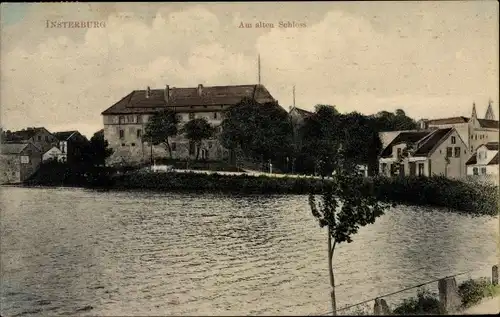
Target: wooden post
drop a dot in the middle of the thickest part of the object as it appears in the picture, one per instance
(380, 308)
(494, 275)
(449, 299)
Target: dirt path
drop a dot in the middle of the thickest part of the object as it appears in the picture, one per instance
(487, 306)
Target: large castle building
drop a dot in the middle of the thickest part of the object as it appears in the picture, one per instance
(126, 120)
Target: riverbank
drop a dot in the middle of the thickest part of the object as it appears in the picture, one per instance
(459, 196)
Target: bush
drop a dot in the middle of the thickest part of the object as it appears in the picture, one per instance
(426, 303)
(473, 291)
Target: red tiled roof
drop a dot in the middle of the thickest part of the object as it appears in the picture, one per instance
(489, 124)
(492, 146)
(12, 148)
(452, 120)
(472, 160)
(24, 134)
(425, 141)
(63, 136)
(494, 160)
(404, 137)
(431, 141)
(185, 98)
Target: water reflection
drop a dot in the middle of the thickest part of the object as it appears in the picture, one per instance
(81, 252)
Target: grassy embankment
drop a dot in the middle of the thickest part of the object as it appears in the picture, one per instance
(421, 191)
(427, 303)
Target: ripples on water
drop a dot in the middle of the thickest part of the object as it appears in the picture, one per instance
(78, 252)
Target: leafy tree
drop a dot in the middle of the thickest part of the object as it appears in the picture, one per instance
(261, 131)
(322, 135)
(348, 202)
(388, 121)
(197, 130)
(160, 127)
(98, 149)
(361, 139)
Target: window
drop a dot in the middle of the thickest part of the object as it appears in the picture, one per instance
(471, 149)
(39, 138)
(474, 171)
(123, 144)
(399, 153)
(457, 152)
(173, 146)
(215, 115)
(122, 134)
(133, 144)
(479, 156)
(421, 169)
(121, 120)
(471, 136)
(483, 170)
(453, 140)
(475, 137)
(384, 168)
(139, 133)
(139, 119)
(449, 152)
(191, 148)
(46, 138)
(191, 115)
(485, 155)
(25, 159)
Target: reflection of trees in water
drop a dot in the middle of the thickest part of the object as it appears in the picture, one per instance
(431, 243)
(243, 223)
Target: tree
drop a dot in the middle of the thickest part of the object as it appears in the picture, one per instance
(322, 134)
(261, 131)
(397, 121)
(98, 149)
(197, 130)
(348, 203)
(160, 127)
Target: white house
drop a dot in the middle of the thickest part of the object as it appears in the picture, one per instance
(425, 153)
(484, 161)
(54, 154)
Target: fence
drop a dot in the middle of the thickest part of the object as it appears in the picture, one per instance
(449, 299)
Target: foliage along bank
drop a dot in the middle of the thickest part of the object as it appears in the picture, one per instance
(422, 191)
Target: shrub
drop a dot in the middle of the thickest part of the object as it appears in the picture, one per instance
(424, 304)
(473, 291)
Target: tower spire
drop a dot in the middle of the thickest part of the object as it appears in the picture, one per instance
(489, 112)
(258, 66)
(474, 113)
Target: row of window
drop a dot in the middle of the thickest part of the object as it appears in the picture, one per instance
(481, 136)
(399, 168)
(475, 171)
(138, 132)
(139, 118)
(173, 146)
(450, 151)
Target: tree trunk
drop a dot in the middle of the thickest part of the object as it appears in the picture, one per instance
(198, 145)
(168, 148)
(331, 249)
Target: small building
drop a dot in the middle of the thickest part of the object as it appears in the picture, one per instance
(425, 153)
(484, 161)
(18, 161)
(72, 145)
(54, 154)
(40, 137)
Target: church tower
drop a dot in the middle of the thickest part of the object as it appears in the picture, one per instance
(474, 113)
(489, 112)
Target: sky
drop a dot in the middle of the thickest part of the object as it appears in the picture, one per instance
(431, 59)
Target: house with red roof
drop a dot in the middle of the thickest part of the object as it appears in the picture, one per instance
(125, 121)
(425, 153)
(484, 161)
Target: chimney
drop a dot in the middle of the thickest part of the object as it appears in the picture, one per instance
(167, 93)
(200, 89)
(424, 124)
(148, 92)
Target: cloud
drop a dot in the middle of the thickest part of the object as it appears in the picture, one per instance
(63, 77)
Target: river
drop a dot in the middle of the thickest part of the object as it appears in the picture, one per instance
(83, 252)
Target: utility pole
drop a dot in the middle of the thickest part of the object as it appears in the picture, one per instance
(294, 96)
(258, 67)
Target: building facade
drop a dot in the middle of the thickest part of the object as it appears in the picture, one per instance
(484, 161)
(18, 161)
(425, 153)
(125, 122)
(72, 145)
(473, 130)
(40, 137)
